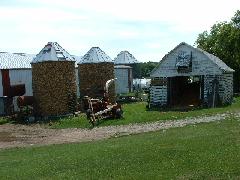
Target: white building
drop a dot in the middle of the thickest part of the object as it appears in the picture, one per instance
(191, 76)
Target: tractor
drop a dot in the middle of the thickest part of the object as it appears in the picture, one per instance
(97, 109)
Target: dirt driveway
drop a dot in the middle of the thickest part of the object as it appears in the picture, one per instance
(12, 135)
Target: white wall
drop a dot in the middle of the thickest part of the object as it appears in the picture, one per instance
(121, 84)
(22, 77)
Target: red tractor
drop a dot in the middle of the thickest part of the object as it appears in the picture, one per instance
(97, 109)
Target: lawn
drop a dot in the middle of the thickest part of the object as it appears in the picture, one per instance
(203, 151)
(138, 113)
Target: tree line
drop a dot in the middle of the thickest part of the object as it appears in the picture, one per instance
(223, 40)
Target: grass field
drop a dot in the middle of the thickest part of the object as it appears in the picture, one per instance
(204, 151)
(138, 113)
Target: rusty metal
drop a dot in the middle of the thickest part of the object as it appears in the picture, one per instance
(97, 109)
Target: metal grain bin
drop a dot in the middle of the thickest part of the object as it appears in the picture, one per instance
(95, 69)
(54, 81)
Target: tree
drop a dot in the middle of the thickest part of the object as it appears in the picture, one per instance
(141, 70)
(223, 40)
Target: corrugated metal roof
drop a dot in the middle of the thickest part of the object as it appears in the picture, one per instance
(52, 52)
(124, 57)
(95, 55)
(15, 60)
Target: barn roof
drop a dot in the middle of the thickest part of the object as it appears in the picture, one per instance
(217, 61)
(15, 60)
(222, 66)
(95, 55)
(52, 52)
(124, 57)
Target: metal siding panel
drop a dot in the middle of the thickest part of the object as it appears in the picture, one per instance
(122, 81)
(77, 81)
(22, 77)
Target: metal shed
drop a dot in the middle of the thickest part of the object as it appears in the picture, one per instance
(191, 76)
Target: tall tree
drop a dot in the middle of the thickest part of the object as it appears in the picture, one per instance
(223, 40)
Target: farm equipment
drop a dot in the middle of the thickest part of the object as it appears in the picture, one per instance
(97, 109)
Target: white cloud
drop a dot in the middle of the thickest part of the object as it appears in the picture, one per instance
(149, 28)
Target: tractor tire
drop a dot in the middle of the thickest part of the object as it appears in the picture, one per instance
(119, 113)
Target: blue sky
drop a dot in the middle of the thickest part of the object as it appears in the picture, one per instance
(147, 28)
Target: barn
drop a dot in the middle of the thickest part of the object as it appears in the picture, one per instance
(15, 70)
(189, 76)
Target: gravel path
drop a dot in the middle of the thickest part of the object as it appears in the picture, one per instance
(22, 135)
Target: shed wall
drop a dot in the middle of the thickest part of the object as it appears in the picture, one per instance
(158, 91)
(224, 88)
(22, 76)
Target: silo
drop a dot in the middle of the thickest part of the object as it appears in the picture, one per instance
(126, 58)
(54, 81)
(95, 69)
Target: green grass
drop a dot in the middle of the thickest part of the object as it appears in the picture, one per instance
(3, 120)
(137, 113)
(204, 151)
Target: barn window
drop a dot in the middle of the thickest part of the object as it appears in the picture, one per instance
(184, 62)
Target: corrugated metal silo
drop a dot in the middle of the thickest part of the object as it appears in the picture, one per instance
(95, 69)
(54, 81)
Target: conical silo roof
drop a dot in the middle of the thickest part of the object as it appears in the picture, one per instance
(124, 57)
(52, 52)
(95, 55)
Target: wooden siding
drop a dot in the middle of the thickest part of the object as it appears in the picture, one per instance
(158, 91)
(224, 87)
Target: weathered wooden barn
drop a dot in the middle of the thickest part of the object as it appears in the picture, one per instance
(189, 76)
(124, 81)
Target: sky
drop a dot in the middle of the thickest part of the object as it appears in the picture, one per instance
(148, 29)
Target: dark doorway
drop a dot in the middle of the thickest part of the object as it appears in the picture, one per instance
(184, 91)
